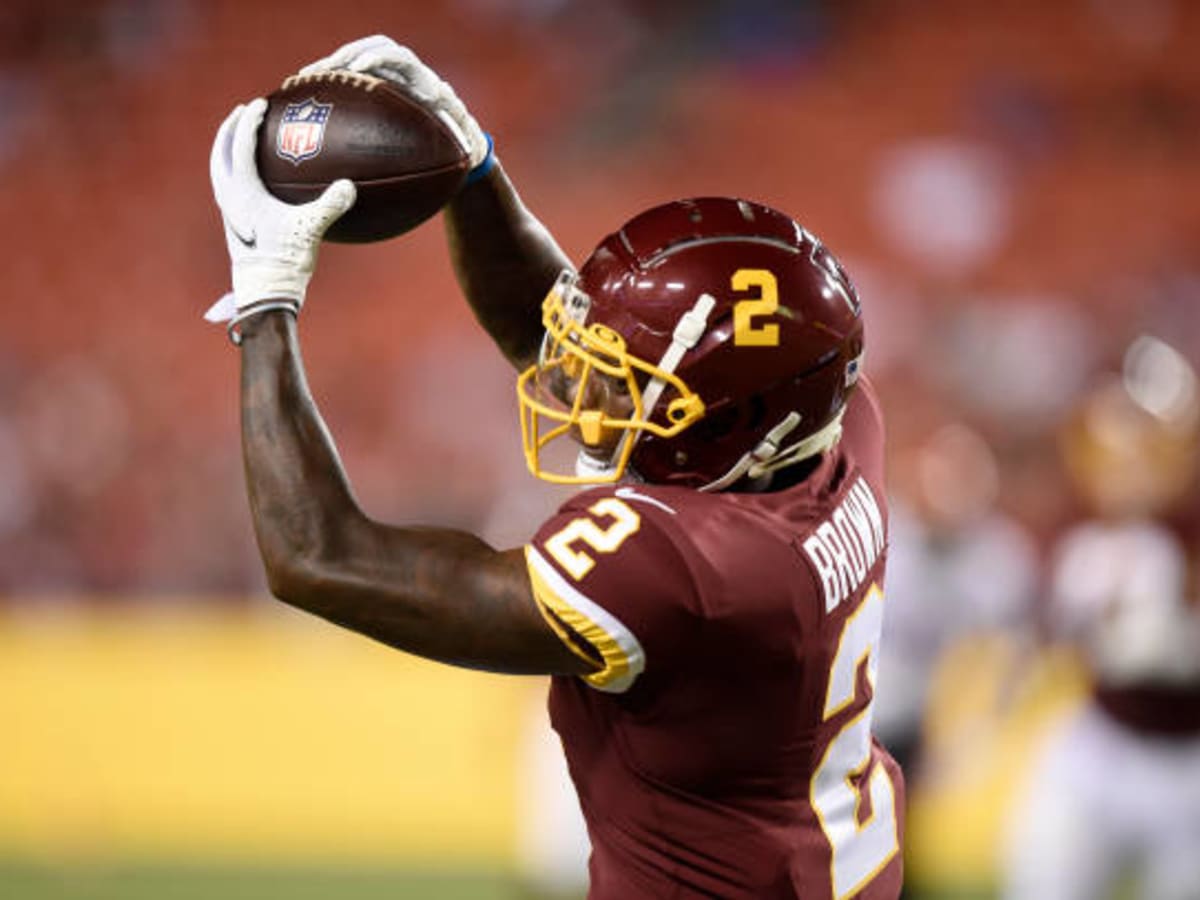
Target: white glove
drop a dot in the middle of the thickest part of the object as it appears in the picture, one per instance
(382, 57)
(272, 245)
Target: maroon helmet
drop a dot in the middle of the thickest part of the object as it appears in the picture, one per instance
(706, 340)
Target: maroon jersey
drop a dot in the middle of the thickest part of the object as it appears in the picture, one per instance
(724, 750)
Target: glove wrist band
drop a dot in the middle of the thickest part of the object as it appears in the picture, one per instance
(234, 330)
(484, 167)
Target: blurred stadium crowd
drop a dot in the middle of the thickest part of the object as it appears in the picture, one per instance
(1012, 185)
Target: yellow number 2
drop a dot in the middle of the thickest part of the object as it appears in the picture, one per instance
(602, 540)
(745, 332)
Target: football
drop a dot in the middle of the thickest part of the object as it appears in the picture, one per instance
(406, 161)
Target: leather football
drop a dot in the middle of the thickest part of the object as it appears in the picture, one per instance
(406, 161)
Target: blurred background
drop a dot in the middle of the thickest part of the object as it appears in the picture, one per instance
(1012, 185)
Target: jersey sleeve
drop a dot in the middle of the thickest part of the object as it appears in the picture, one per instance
(605, 573)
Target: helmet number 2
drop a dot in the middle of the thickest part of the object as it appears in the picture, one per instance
(745, 332)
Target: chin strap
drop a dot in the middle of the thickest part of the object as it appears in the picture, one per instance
(766, 457)
(687, 334)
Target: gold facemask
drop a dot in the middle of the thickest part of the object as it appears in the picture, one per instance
(580, 365)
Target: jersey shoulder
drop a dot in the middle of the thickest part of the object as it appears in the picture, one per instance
(611, 568)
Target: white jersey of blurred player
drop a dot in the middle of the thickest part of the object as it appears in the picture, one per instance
(1117, 788)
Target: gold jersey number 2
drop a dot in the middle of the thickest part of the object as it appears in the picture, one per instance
(601, 540)
(746, 333)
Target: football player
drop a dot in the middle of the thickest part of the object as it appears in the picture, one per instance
(710, 604)
(1114, 798)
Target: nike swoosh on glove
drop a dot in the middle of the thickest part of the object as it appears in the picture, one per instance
(272, 245)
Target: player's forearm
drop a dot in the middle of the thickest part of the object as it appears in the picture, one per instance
(505, 260)
(316, 544)
(299, 494)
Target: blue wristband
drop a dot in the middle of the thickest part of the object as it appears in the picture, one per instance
(484, 167)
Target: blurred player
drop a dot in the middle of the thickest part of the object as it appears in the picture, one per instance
(959, 569)
(711, 607)
(1115, 798)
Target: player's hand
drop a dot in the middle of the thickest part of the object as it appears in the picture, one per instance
(272, 245)
(382, 57)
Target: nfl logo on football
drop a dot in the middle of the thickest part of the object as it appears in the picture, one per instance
(302, 130)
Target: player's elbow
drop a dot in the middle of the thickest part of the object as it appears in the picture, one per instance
(306, 549)
(302, 575)
(291, 578)
(286, 579)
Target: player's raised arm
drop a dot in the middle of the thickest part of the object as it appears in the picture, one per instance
(505, 259)
(439, 593)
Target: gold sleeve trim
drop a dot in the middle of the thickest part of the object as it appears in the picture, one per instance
(619, 668)
(556, 624)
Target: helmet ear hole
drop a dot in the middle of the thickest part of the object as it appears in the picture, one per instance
(756, 412)
(717, 423)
